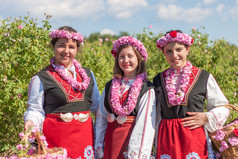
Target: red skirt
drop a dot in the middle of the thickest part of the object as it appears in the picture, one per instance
(178, 142)
(117, 138)
(75, 136)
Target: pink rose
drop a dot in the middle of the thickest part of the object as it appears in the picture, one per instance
(168, 80)
(170, 87)
(34, 129)
(42, 138)
(21, 134)
(20, 27)
(31, 151)
(233, 141)
(26, 146)
(31, 139)
(183, 87)
(19, 95)
(171, 96)
(224, 145)
(218, 154)
(46, 144)
(19, 146)
(220, 135)
(221, 149)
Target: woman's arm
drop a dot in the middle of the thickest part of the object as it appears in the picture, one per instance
(217, 115)
(100, 127)
(142, 137)
(35, 113)
(95, 96)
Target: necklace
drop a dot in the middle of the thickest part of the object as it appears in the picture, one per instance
(79, 86)
(176, 95)
(132, 96)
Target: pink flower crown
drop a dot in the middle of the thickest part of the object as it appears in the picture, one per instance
(128, 40)
(174, 36)
(66, 34)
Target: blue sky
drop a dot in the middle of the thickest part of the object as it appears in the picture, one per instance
(219, 17)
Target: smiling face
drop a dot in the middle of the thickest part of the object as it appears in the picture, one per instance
(65, 51)
(128, 61)
(176, 54)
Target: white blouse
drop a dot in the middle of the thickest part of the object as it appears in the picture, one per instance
(35, 111)
(142, 136)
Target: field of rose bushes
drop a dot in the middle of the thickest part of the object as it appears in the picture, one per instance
(25, 50)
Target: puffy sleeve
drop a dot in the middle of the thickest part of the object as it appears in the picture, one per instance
(217, 116)
(142, 137)
(100, 126)
(95, 95)
(35, 111)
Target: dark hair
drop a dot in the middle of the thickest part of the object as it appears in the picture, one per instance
(66, 28)
(141, 62)
(179, 31)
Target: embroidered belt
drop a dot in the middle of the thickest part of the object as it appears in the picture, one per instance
(68, 117)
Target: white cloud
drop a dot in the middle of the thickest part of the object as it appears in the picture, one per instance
(107, 31)
(78, 8)
(220, 8)
(228, 12)
(62, 8)
(177, 13)
(233, 12)
(123, 15)
(208, 1)
(124, 9)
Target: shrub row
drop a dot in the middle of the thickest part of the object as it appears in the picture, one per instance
(25, 50)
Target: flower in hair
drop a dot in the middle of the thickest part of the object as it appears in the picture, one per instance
(235, 131)
(174, 36)
(65, 34)
(128, 40)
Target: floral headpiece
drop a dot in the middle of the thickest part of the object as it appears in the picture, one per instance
(174, 36)
(128, 40)
(66, 34)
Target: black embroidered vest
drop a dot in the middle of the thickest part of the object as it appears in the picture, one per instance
(60, 97)
(195, 96)
(147, 85)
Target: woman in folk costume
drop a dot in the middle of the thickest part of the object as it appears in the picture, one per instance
(181, 93)
(61, 97)
(125, 119)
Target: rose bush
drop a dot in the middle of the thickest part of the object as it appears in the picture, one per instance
(25, 50)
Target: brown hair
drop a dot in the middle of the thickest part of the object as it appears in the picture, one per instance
(66, 28)
(141, 62)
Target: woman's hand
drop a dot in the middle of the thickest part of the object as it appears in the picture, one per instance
(196, 119)
(28, 124)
